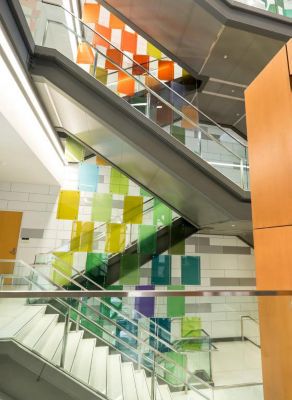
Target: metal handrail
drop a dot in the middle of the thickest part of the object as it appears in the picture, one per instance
(242, 318)
(117, 338)
(141, 83)
(140, 66)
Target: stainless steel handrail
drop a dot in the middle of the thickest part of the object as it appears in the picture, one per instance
(141, 66)
(242, 318)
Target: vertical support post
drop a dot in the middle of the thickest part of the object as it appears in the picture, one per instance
(65, 338)
(148, 101)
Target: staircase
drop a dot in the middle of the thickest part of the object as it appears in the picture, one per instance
(85, 358)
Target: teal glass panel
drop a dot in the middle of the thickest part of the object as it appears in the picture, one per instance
(161, 270)
(162, 214)
(88, 177)
(147, 239)
(129, 269)
(190, 270)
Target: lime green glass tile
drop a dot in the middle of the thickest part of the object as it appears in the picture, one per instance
(147, 239)
(191, 327)
(119, 183)
(175, 305)
(162, 214)
(101, 207)
(129, 269)
(74, 152)
(62, 268)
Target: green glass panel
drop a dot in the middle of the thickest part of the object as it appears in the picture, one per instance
(176, 368)
(95, 260)
(175, 305)
(144, 193)
(74, 152)
(161, 270)
(129, 272)
(147, 239)
(119, 183)
(162, 214)
(190, 270)
(178, 132)
(101, 207)
(177, 232)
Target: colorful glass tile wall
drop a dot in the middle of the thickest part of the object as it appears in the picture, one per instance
(123, 38)
(107, 213)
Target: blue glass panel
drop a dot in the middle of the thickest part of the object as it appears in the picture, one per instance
(88, 177)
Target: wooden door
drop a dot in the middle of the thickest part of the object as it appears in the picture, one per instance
(10, 222)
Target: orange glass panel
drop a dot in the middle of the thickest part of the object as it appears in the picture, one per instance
(116, 23)
(104, 31)
(165, 70)
(192, 114)
(129, 42)
(126, 84)
(142, 60)
(90, 12)
(84, 54)
(152, 83)
(116, 56)
(101, 161)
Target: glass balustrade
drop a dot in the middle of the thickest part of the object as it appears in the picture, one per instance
(204, 353)
(279, 7)
(58, 28)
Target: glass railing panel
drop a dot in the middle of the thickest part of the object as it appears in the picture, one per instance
(274, 6)
(157, 100)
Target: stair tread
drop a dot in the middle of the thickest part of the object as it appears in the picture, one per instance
(25, 317)
(149, 385)
(71, 348)
(141, 385)
(128, 380)
(97, 377)
(31, 338)
(114, 377)
(82, 363)
(165, 392)
(51, 340)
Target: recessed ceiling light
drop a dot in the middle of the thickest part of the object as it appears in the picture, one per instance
(159, 107)
(233, 225)
(225, 56)
(232, 91)
(237, 114)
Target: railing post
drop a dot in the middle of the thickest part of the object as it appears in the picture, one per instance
(78, 316)
(241, 328)
(242, 180)
(153, 391)
(65, 338)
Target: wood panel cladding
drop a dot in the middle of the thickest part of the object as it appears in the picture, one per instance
(269, 125)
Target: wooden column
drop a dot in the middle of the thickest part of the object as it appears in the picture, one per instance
(269, 125)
